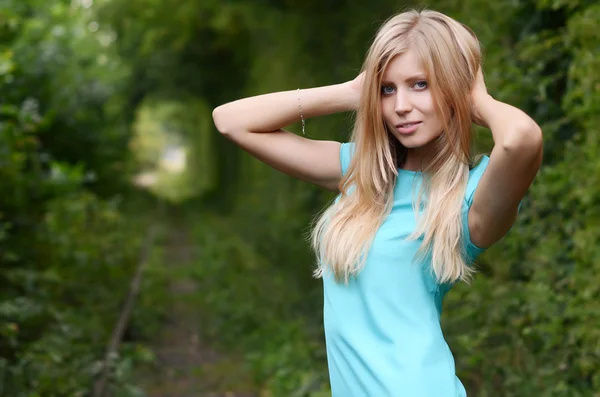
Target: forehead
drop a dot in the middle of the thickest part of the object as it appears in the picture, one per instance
(404, 66)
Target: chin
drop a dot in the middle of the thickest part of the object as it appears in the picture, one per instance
(413, 143)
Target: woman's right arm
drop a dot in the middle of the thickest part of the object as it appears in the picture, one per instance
(255, 124)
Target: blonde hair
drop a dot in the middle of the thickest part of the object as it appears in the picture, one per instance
(342, 236)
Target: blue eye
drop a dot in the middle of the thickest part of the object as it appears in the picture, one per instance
(387, 90)
(421, 85)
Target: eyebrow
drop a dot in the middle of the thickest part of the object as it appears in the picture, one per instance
(418, 76)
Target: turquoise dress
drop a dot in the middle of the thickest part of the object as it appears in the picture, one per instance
(382, 330)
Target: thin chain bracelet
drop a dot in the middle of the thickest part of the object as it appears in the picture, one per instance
(301, 114)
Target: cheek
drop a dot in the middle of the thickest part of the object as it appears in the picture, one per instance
(425, 104)
(427, 108)
(387, 110)
(436, 126)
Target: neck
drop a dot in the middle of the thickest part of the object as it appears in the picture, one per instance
(417, 158)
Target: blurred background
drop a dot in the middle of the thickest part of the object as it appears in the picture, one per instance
(142, 254)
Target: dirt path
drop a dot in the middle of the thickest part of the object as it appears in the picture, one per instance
(186, 367)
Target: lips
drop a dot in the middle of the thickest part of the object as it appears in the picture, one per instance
(408, 127)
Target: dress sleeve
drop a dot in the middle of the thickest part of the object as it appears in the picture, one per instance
(472, 251)
(346, 152)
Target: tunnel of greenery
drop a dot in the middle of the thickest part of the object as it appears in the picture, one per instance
(105, 119)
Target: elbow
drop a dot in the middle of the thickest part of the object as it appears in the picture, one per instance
(526, 140)
(219, 119)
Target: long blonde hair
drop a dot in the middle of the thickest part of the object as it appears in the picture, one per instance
(342, 235)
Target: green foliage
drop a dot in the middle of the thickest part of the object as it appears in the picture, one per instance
(75, 79)
(66, 254)
(64, 64)
(527, 325)
(250, 305)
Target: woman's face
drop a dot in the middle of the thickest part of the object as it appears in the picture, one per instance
(407, 104)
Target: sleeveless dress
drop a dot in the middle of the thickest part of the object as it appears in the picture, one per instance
(382, 329)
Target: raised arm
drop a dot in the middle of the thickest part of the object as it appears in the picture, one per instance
(514, 161)
(255, 124)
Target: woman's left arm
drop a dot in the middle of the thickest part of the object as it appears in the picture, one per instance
(514, 162)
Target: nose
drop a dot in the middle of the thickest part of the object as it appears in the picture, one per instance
(403, 102)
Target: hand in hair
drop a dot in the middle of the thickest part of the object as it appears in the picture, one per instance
(357, 85)
(514, 162)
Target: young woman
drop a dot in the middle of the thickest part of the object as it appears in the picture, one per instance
(415, 209)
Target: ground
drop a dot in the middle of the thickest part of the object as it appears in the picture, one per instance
(186, 365)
